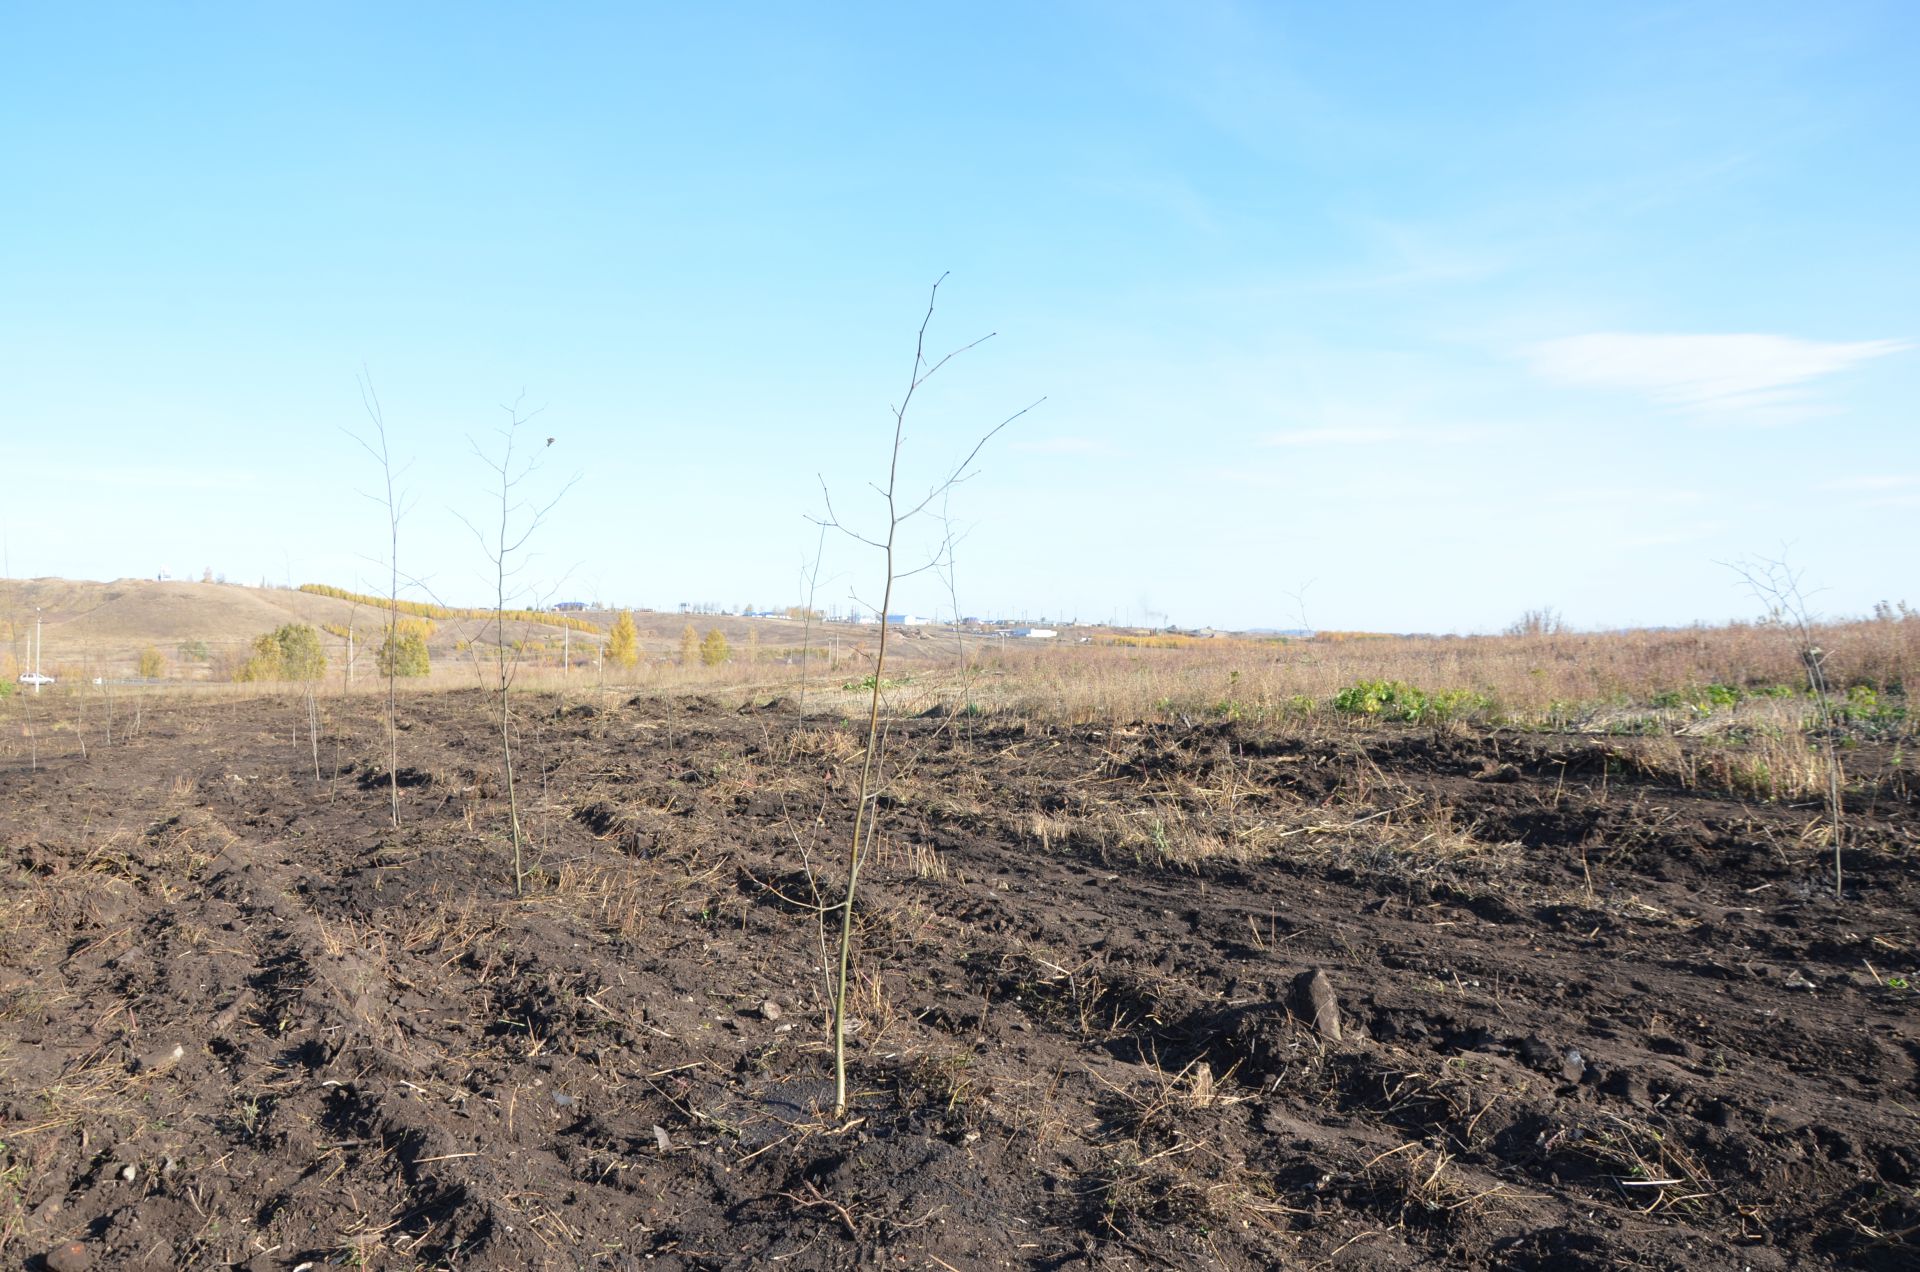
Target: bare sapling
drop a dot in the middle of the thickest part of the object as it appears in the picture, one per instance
(394, 501)
(504, 542)
(313, 725)
(16, 630)
(1777, 586)
(899, 511)
(810, 573)
(950, 538)
(346, 663)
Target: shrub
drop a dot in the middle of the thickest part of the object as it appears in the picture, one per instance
(290, 652)
(713, 648)
(152, 664)
(689, 645)
(404, 652)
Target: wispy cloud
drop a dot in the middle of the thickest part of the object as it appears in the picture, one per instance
(1727, 375)
(1875, 481)
(1374, 435)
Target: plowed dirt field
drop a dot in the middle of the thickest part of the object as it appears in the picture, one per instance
(1591, 1015)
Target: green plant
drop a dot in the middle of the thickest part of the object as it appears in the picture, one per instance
(869, 682)
(1398, 700)
(713, 648)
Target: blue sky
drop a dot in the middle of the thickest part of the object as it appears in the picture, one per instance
(1423, 314)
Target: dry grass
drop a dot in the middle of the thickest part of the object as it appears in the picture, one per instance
(1166, 1162)
(1186, 825)
(1559, 676)
(1606, 682)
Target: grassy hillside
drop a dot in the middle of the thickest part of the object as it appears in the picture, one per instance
(200, 629)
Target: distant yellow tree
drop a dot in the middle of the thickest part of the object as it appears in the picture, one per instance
(152, 664)
(713, 649)
(404, 651)
(689, 645)
(623, 642)
(291, 652)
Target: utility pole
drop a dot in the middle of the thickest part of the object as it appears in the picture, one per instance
(566, 653)
(36, 652)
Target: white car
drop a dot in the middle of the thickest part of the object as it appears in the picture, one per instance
(34, 678)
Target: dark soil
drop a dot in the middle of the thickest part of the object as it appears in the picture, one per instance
(1588, 1019)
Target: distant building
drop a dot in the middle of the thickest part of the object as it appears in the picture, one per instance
(1035, 633)
(571, 607)
(905, 620)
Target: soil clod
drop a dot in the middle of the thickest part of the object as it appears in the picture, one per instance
(71, 1257)
(1316, 1003)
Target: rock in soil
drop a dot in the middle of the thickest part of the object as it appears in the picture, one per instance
(71, 1257)
(1315, 1003)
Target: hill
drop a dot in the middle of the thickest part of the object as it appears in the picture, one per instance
(202, 630)
(93, 628)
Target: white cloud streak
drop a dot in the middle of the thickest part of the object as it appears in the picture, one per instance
(1875, 481)
(1708, 374)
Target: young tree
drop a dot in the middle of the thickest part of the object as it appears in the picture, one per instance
(689, 645)
(899, 511)
(152, 664)
(394, 502)
(290, 652)
(404, 651)
(504, 542)
(713, 648)
(1776, 584)
(810, 571)
(623, 641)
(302, 656)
